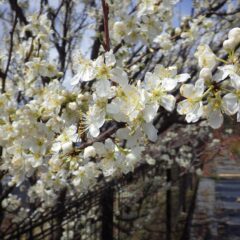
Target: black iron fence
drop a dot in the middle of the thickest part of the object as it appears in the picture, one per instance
(151, 203)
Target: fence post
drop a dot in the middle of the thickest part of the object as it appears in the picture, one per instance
(107, 202)
(168, 206)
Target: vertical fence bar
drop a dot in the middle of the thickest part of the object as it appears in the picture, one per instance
(184, 189)
(107, 202)
(185, 234)
(168, 206)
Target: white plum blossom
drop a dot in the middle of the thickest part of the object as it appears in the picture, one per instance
(94, 120)
(110, 156)
(131, 159)
(99, 69)
(164, 41)
(133, 139)
(213, 112)
(231, 101)
(192, 106)
(158, 84)
(206, 58)
(86, 71)
(119, 30)
(85, 176)
(64, 142)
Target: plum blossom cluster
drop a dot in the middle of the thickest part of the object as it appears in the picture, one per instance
(216, 92)
(145, 25)
(47, 134)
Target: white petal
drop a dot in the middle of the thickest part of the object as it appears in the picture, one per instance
(71, 130)
(223, 72)
(206, 74)
(114, 107)
(168, 102)
(109, 144)
(103, 88)
(123, 133)
(230, 103)
(133, 140)
(219, 76)
(151, 81)
(150, 112)
(182, 77)
(169, 84)
(99, 61)
(75, 80)
(184, 107)
(94, 131)
(119, 76)
(187, 90)
(56, 147)
(215, 119)
(151, 132)
(100, 148)
(96, 117)
(196, 113)
(199, 87)
(238, 115)
(87, 73)
(235, 81)
(110, 58)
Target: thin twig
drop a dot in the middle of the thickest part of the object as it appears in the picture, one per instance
(102, 136)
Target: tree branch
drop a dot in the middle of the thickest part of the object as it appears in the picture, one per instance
(106, 134)
(106, 44)
(19, 12)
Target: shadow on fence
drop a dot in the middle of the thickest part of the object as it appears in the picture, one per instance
(151, 203)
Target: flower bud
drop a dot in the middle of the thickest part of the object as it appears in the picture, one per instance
(206, 74)
(72, 106)
(234, 34)
(119, 30)
(89, 152)
(67, 147)
(230, 44)
(177, 30)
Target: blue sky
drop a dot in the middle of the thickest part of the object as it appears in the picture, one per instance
(183, 8)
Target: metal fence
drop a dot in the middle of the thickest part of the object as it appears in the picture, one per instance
(153, 202)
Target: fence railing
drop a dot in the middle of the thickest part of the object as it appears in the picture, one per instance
(150, 203)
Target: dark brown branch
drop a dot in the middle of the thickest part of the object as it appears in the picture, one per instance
(106, 44)
(18, 10)
(103, 135)
(97, 43)
(223, 13)
(66, 26)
